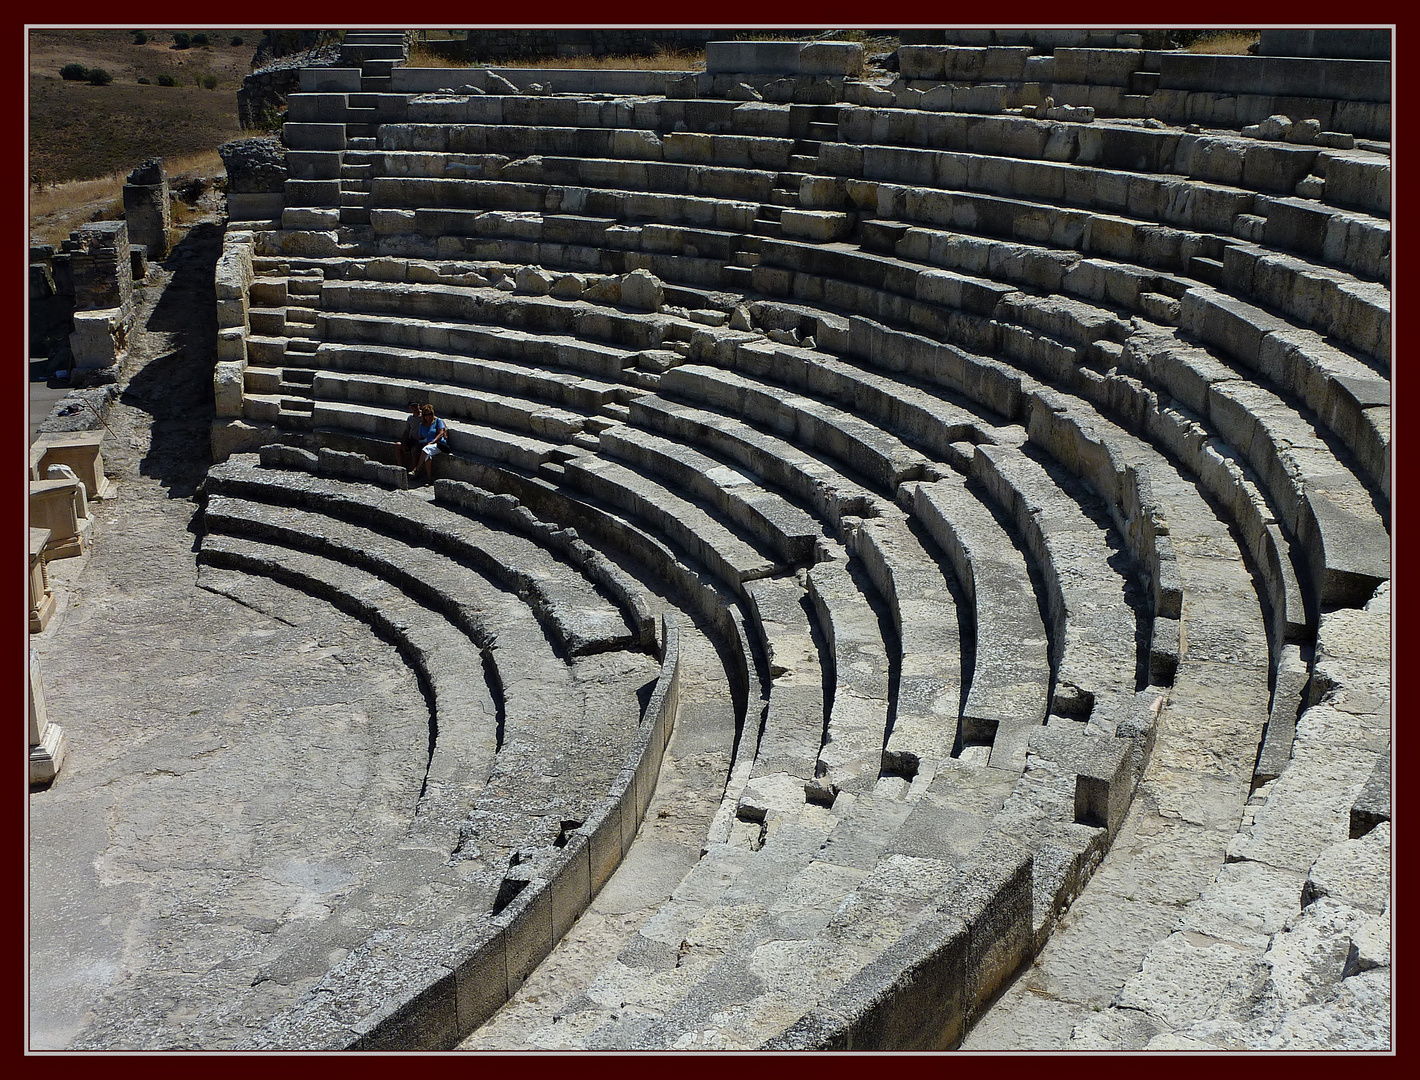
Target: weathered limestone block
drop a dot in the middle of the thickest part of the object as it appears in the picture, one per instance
(642, 291)
(100, 338)
(227, 378)
(819, 226)
(1354, 872)
(1372, 806)
(40, 595)
(54, 505)
(80, 450)
(303, 217)
(47, 741)
(100, 266)
(147, 209)
(534, 280)
(259, 165)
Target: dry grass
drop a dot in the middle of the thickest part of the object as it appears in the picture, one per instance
(663, 60)
(1225, 42)
(58, 209)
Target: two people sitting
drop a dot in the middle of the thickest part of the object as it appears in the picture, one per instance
(425, 436)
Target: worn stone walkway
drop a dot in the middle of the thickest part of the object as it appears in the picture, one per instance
(235, 775)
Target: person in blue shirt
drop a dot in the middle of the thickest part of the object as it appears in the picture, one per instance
(433, 440)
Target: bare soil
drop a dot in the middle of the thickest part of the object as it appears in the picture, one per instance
(79, 131)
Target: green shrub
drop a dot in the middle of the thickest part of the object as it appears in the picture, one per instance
(200, 40)
(166, 80)
(140, 38)
(74, 72)
(236, 42)
(209, 82)
(99, 77)
(182, 40)
(143, 80)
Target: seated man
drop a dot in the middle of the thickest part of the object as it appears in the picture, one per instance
(409, 442)
(433, 438)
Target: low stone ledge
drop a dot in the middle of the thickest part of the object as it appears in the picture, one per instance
(926, 988)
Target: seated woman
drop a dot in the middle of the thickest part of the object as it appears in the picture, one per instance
(433, 440)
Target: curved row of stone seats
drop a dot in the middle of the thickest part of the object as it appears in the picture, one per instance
(1094, 611)
(730, 553)
(1067, 437)
(933, 944)
(688, 528)
(1355, 314)
(620, 174)
(571, 390)
(1010, 675)
(442, 193)
(571, 243)
(598, 326)
(1339, 387)
(1192, 205)
(542, 718)
(827, 492)
(662, 116)
(569, 606)
(1216, 158)
(791, 370)
(791, 533)
(927, 670)
(906, 576)
(373, 431)
(565, 544)
(1341, 526)
(877, 1007)
(435, 145)
(1058, 362)
(1350, 399)
(1356, 243)
(891, 578)
(1344, 96)
(1212, 184)
(860, 446)
(466, 706)
(452, 403)
(1347, 395)
(473, 804)
(895, 181)
(930, 420)
(617, 536)
(833, 887)
(1351, 241)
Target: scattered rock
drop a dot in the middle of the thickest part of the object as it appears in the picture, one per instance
(642, 291)
(534, 280)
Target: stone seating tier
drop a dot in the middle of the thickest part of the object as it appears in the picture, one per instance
(1141, 583)
(576, 617)
(1010, 677)
(1058, 363)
